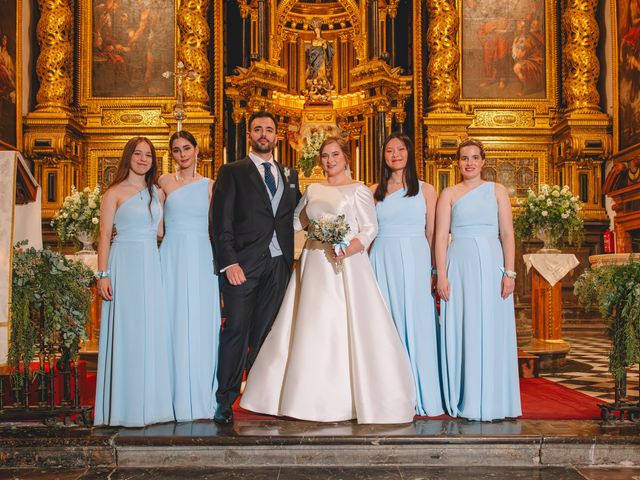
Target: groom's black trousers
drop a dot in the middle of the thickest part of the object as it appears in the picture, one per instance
(249, 311)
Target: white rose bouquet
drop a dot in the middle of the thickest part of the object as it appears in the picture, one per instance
(80, 213)
(310, 152)
(551, 214)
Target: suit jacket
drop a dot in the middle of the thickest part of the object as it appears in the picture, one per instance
(242, 220)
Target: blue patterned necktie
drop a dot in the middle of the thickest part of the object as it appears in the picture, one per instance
(269, 179)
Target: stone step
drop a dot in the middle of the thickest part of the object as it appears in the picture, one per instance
(279, 443)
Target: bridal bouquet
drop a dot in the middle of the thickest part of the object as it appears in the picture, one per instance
(332, 230)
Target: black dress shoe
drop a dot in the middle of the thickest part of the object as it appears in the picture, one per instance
(223, 415)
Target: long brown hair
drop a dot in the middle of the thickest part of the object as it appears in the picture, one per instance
(124, 165)
(410, 174)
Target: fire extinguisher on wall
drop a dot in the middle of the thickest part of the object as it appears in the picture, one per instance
(609, 242)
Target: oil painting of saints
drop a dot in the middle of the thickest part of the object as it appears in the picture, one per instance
(8, 74)
(629, 74)
(503, 49)
(133, 44)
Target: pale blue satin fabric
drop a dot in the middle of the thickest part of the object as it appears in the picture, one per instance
(193, 300)
(401, 261)
(133, 381)
(478, 336)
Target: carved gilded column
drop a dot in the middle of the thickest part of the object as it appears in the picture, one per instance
(442, 70)
(192, 50)
(54, 66)
(580, 66)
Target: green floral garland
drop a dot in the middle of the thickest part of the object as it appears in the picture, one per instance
(50, 300)
(615, 289)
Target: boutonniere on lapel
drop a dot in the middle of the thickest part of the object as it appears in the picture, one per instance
(287, 174)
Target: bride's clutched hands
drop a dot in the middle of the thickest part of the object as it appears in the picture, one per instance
(354, 247)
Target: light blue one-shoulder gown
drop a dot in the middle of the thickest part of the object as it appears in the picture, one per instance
(133, 382)
(478, 332)
(401, 260)
(193, 300)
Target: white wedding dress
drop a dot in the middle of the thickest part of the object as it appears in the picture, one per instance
(333, 352)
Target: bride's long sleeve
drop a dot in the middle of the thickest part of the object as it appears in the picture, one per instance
(300, 219)
(366, 216)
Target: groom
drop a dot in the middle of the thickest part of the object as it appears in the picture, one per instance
(252, 236)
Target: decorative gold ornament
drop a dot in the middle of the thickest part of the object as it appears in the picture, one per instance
(54, 66)
(442, 69)
(192, 49)
(580, 66)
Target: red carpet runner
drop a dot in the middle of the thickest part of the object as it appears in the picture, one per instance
(541, 400)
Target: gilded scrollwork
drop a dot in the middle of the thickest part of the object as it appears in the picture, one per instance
(442, 70)
(504, 118)
(192, 49)
(581, 69)
(54, 66)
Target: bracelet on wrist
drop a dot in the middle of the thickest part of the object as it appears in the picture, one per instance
(100, 274)
(509, 274)
(434, 271)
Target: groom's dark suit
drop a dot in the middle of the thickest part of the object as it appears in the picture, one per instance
(242, 227)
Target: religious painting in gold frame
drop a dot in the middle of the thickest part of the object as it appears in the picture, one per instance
(131, 46)
(507, 52)
(10, 75)
(125, 47)
(626, 77)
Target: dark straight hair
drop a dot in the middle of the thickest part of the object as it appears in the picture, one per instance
(124, 165)
(262, 114)
(410, 173)
(182, 134)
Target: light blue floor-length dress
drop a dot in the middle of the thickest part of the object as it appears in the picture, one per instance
(478, 335)
(133, 382)
(401, 260)
(193, 300)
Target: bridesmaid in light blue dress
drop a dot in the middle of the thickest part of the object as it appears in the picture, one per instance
(476, 282)
(133, 386)
(401, 260)
(190, 284)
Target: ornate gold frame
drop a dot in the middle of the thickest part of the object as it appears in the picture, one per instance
(541, 105)
(18, 67)
(117, 108)
(633, 150)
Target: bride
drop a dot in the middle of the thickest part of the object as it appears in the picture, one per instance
(333, 352)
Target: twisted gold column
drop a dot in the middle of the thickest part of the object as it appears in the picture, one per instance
(54, 66)
(442, 70)
(192, 49)
(580, 66)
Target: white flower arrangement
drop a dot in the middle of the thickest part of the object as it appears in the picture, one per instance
(310, 151)
(80, 213)
(554, 211)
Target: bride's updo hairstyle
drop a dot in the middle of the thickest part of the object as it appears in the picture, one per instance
(344, 147)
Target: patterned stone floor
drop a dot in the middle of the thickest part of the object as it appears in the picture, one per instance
(587, 369)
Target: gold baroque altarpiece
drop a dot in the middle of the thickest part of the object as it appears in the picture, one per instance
(539, 125)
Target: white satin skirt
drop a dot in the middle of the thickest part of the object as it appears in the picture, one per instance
(333, 353)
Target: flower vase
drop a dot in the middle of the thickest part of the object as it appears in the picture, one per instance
(549, 241)
(86, 238)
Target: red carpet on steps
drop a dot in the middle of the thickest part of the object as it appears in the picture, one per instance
(541, 400)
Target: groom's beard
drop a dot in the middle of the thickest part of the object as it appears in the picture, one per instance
(256, 146)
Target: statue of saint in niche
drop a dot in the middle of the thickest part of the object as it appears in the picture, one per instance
(319, 58)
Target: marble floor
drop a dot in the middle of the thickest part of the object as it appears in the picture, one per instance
(329, 473)
(587, 369)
